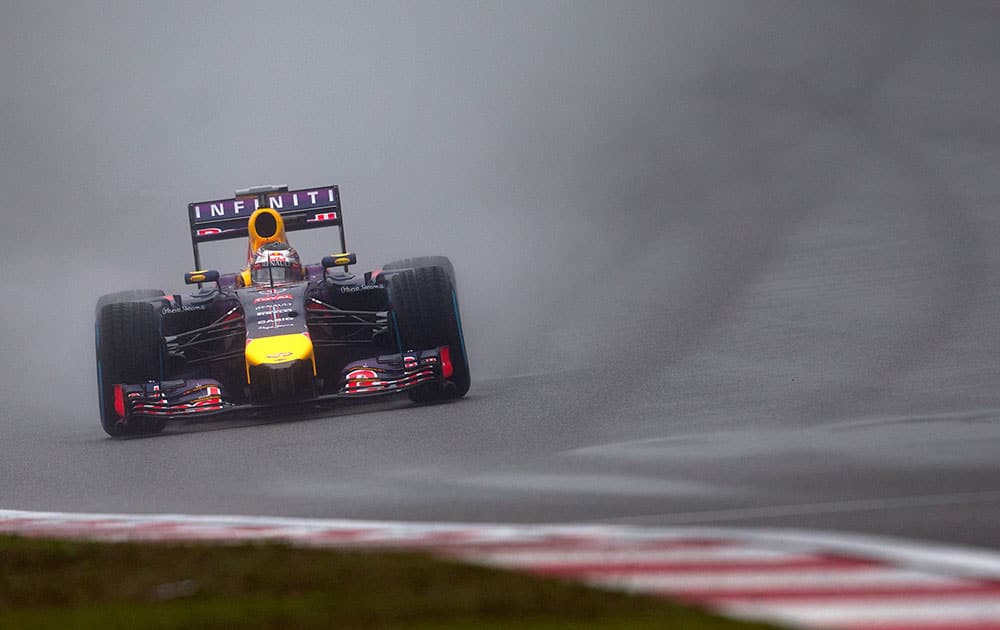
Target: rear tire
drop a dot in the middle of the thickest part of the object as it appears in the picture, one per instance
(425, 310)
(129, 350)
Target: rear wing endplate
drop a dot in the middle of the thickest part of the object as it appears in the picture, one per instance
(225, 219)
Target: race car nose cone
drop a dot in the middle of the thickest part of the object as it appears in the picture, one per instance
(276, 382)
(280, 367)
(279, 349)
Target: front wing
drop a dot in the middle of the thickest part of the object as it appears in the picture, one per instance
(201, 397)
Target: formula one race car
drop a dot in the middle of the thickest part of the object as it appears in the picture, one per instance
(278, 332)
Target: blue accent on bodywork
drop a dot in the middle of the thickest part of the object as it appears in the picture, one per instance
(458, 320)
(399, 340)
(395, 323)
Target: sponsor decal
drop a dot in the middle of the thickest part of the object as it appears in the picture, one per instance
(279, 322)
(300, 199)
(167, 310)
(279, 355)
(273, 314)
(271, 309)
(360, 288)
(273, 298)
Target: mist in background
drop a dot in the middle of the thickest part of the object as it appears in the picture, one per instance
(602, 174)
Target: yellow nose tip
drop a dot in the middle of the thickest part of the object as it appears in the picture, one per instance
(279, 349)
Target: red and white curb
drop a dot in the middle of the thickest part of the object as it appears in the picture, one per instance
(790, 577)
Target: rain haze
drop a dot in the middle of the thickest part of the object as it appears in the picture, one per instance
(473, 129)
(666, 217)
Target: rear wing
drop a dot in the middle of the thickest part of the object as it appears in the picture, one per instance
(225, 219)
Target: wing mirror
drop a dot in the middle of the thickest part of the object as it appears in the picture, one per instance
(340, 260)
(197, 277)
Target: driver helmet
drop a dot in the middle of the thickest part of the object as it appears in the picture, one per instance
(277, 263)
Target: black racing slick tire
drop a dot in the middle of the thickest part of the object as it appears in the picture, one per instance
(131, 295)
(424, 261)
(129, 350)
(425, 311)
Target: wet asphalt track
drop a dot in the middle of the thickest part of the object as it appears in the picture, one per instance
(790, 318)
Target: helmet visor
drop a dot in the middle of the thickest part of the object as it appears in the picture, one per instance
(265, 273)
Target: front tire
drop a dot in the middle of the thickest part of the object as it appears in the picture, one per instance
(425, 310)
(131, 295)
(424, 261)
(129, 350)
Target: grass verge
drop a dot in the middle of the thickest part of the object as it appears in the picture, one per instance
(69, 584)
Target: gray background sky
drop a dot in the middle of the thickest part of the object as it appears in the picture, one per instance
(490, 132)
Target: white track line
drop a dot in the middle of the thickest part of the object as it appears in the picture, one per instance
(531, 558)
(860, 613)
(774, 581)
(830, 507)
